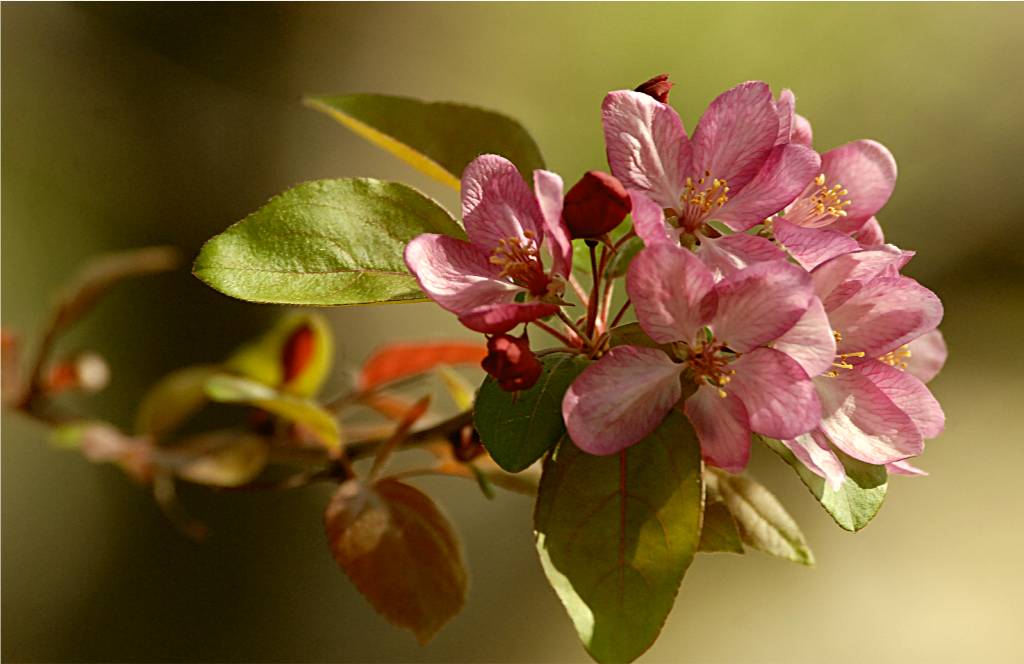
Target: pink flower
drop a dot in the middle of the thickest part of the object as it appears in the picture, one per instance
(716, 336)
(497, 279)
(875, 406)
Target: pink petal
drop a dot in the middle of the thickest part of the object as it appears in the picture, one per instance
(780, 399)
(904, 468)
(498, 318)
(730, 253)
(927, 356)
(646, 144)
(867, 170)
(721, 426)
(785, 174)
(910, 394)
(883, 314)
(497, 204)
(814, 451)
(884, 261)
(668, 285)
(870, 234)
(735, 135)
(456, 274)
(812, 246)
(810, 342)
(621, 398)
(784, 106)
(759, 304)
(802, 133)
(862, 421)
(649, 221)
(548, 188)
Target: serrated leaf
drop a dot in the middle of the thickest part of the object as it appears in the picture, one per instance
(517, 428)
(328, 242)
(173, 399)
(436, 138)
(400, 552)
(400, 360)
(224, 458)
(224, 388)
(719, 533)
(616, 533)
(856, 502)
(763, 522)
(627, 251)
(275, 359)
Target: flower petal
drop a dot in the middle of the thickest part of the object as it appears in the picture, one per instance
(814, 451)
(884, 261)
(621, 398)
(862, 421)
(721, 426)
(810, 342)
(735, 135)
(910, 394)
(730, 253)
(780, 399)
(456, 274)
(646, 144)
(548, 188)
(497, 204)
(668, 285)
(784, 106)
(927, 356)
(867, 170)
(904, 468)
(881, 315)
(870, 234)
(785, 173)
(760, 303)
(649, 221)
(802, 133)
(812, 246)
(499, 318)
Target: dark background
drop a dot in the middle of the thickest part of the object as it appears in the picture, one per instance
(126, 125)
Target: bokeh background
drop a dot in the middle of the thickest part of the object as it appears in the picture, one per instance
(126, 125)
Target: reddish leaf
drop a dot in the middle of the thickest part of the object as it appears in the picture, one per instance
(401, 360)
(400, 552)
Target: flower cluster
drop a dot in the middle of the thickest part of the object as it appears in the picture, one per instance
(766, 297)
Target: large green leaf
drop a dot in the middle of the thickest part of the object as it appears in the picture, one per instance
(517, 428)
(616, 533)
(856, 502)
(329, 242)
(436, 138)
(763, 522)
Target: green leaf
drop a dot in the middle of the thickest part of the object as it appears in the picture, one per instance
(232, 389)
(224, 458)
(329, 242)
(276, 360)
(616, 533)
(856, 502)
(719, 533)
(436, 138)
(763, 523)
(618, 266)
(174, 399)
(517, 428)
(631, 334)
(400, 552)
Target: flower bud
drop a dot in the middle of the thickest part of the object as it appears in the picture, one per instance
(511, 362)
(595, 205)
(297, 353)
(656, 87)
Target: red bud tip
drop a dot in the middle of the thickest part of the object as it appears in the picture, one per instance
(657, 87)
(297, 353)
(595, 205)
(511, 362)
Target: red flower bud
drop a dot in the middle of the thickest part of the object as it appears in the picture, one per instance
(297, 353)
(511, 362)
(656, 87)
(595, 205)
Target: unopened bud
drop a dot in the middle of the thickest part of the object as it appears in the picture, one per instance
(297, 353)
(657, 87)
(511, 362)
(595, 205)
(87, 372)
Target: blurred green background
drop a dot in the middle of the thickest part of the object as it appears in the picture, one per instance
(126, 125)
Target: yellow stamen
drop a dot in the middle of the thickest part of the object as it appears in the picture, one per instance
(700, 198)
(897, 358)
